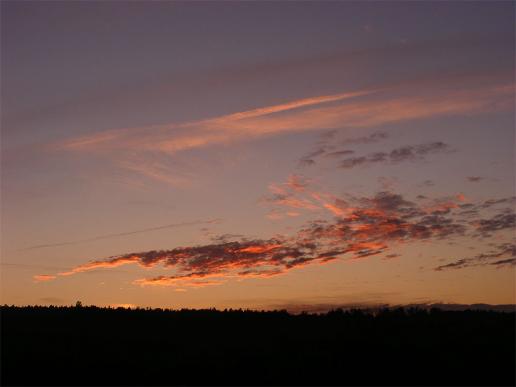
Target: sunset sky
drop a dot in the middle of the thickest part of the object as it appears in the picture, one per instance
(257, 154)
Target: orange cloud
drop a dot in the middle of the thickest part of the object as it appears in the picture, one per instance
(101, 264)
(288, 195)
(261, 273)
(292, 105)
(461, 197)
(297, 182)
(44, 277)
(259, 249)
(297, 193)
(368, 227)
(445, 204)
(172, 281)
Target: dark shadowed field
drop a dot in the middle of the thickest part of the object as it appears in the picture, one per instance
(98, 346)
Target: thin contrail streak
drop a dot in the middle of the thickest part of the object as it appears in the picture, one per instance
(121, 234)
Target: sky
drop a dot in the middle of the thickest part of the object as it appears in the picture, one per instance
(257, 154)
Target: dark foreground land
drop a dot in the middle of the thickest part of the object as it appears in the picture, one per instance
(95, 346)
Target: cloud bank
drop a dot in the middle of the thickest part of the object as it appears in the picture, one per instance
(362, 227)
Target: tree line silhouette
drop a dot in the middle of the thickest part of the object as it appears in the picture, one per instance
(88, 345)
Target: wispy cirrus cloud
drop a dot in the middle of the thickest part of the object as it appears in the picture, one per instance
(157, 171)
(129, 148)
(175, 137)
(294, 195)
(44, 277)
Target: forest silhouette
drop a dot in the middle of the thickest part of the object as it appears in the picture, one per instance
(87, 345)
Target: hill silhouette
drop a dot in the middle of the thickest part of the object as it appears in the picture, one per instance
(104, 346)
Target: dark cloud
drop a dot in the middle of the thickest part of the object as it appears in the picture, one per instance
(339, 153)
(374, 137)
(398, 155)
(315, 153)
(390, 256)
(391, 202)
(454, 265)
(328, 146)
(503, 221)
(353, 162)
(474, 179)
(226, 237)
(504, 254)
(306, 162)
(432, 147)
(494, 202)
(328, 135)
(505, 262)
(378, 221)
(308, 159)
